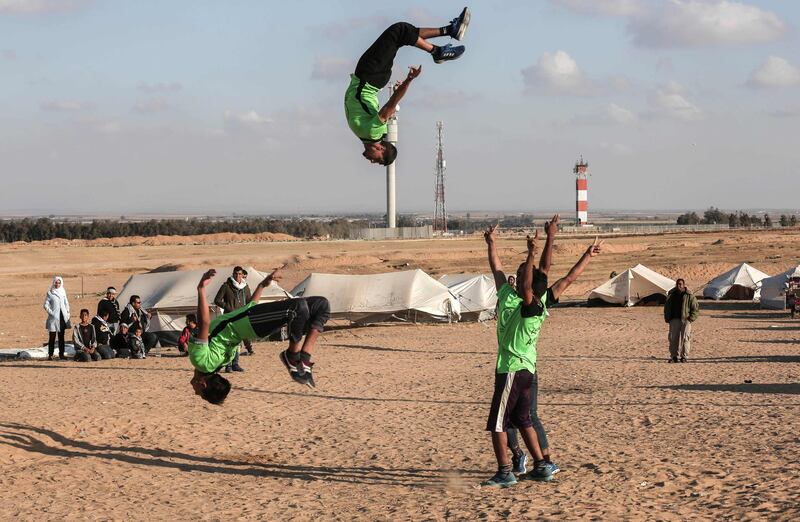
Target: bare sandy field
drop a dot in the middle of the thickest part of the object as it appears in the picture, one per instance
(394, 429)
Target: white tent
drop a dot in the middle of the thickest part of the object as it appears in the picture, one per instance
(475, 292)
(412, 295)
(773, 289)
(740, 282)
(637, 285)
(169, 296)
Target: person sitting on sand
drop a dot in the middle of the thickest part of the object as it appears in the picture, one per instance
(102, 331)
(186, 334)
(85, 340)
(216, 341)
(135, 342)
(119, 343)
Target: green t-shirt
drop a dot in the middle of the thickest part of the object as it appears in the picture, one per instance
(224, 335)
(516, 335)
(361, 108)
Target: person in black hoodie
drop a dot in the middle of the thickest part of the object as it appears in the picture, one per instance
(110, 305)
(119, 343)
(102, 332)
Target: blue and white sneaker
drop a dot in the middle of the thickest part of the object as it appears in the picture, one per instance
(519, 464)
(542, 472)
(553, 466)
(500, 480)
(447, 52)
(458, 26)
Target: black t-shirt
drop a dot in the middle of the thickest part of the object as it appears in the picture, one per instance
(87, 334)
(112, 307)
(676, 305)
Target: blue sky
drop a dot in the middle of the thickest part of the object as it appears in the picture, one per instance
(110, 106)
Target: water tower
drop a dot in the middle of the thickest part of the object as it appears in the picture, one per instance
(581, 170)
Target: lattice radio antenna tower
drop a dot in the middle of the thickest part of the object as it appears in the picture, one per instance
(440, 211)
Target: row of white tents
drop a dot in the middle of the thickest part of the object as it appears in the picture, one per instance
(415, 296)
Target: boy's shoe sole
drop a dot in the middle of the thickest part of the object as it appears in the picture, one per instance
(491, 484)
(465, 16)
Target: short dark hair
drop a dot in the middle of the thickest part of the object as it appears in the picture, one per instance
(389, 153)
(138, 328)
(134, 297)
(103, 313)
(217, 389)
(238, 269)
(110, 288)
(679, 280)
(82, 312)
(191, 318)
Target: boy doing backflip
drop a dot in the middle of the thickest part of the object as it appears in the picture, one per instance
(364, 115)
(217, 341)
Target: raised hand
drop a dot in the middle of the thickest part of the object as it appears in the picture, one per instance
(275, 275)
(206, 278)
(551, 227)
(413, 72)
(594, 248)
(532, 241)
(489, 234)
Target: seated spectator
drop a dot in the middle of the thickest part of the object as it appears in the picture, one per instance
(134, 315)
(102, 330)
(186, 334)
(84, 339)
(119, 343)
(135, 343)
(110, 304)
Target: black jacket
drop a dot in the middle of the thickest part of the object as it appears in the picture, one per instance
(231, 298)
(101, 331)
(112, 307)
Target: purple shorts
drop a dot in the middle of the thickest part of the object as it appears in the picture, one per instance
(511, 402)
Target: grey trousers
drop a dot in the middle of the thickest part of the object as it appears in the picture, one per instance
(679, 338)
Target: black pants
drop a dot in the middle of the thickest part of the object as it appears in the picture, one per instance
(375, 65)
(300, 315)
(86, 356)
(51, 341)
(541, 434)
(105, 351)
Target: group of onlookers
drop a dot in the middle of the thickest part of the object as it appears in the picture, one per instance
(112, 333)
(107, 335)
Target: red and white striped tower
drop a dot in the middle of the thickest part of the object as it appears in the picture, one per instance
(581, 193)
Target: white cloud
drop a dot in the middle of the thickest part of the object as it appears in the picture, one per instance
(24, 7)
(703, 22)
(248, 122)
(160, 87)
(775, 72)
(671, 101)
(621, 115)
(557, 72)
(63, 106)
(602, 7)
(332, 69)
(151, 105)
(8, 54)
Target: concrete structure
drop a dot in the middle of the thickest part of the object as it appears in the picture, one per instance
(425, 232)
(391, 202)
(581, 170)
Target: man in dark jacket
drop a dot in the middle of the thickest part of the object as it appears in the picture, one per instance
(134, 316)
(232, 295)
(110, 305)
(680, 311)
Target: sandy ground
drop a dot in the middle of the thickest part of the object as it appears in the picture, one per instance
(394, 430)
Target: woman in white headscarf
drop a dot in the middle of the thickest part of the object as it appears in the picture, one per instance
(56, 305)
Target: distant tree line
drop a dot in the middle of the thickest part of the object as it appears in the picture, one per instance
(714, 216)
(45, 228)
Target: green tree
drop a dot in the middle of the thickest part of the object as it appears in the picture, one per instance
(784, 220)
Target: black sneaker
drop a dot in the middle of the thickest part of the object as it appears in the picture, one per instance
(447, 52)
(673, 360)
(228, 369)
(683, 359)
(295, 369)
(237, 368)
(458, 26)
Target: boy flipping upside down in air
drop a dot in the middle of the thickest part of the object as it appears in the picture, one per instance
(217, 341)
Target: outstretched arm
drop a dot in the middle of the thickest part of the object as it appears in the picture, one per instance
(274, 276)
(575, 272)
(551, 228)
(526, 277)
(203, 315)
(494, 260)
(400, 88)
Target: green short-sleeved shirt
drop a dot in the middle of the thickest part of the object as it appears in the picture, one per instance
(516, 335)
(224, 335)
(361, 108)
